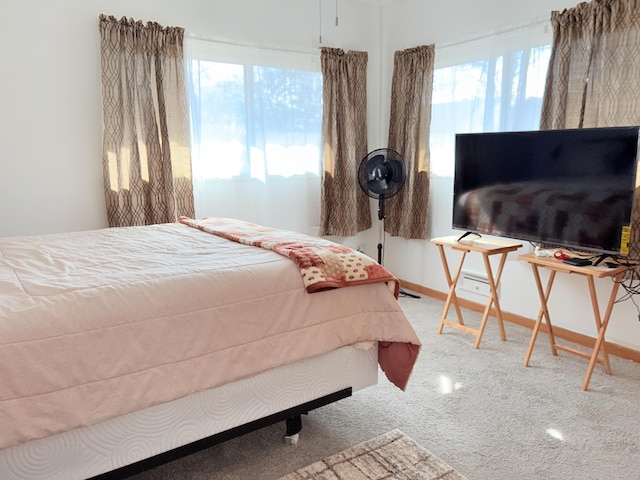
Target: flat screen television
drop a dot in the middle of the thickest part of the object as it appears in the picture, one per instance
(570, 188)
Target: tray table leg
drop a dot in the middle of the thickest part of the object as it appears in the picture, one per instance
(493, 299)
(452, 282)
(542, 314)
(602, 328)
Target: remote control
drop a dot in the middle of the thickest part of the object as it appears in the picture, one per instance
(578, 262)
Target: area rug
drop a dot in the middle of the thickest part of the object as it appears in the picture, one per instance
(393, 455)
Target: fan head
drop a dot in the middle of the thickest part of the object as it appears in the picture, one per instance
(382, 173)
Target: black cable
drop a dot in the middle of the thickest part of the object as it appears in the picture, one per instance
(630, 283)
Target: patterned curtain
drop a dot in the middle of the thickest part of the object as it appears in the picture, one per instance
(594, 74)
(345, 208)
(409, 123)
(146, 161)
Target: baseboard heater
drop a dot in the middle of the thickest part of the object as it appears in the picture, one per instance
(475, 282)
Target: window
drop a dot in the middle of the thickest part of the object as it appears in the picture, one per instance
(256, 121)
(478, 88)
(256, 128)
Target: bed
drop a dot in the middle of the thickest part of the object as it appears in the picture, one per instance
(117, 345)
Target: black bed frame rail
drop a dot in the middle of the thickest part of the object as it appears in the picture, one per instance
(292, 416)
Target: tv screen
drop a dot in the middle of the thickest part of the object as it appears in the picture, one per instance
(558, 188)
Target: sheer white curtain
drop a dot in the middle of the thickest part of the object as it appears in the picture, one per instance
(256, 133)
(486, 84)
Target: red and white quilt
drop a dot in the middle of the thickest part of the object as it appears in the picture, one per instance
(323, 264)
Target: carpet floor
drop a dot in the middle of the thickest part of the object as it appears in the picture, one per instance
(393, 455)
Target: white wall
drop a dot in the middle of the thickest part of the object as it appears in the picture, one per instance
(50, 115)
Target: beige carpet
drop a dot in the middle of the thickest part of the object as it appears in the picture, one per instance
(390, 456)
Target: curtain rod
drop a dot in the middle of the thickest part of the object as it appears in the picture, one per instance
(540, 21)
(249, 45)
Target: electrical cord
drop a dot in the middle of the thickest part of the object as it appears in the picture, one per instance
(631, 285)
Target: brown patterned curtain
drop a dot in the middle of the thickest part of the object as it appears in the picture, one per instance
(594, 74)
(345, 209)
(409, 123)
(145, 152)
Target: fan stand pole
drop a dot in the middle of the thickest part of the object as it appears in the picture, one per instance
(381, 216)
(380, 237)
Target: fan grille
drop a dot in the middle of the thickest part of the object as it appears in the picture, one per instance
(382, 173)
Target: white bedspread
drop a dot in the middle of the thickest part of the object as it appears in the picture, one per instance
(98, 324)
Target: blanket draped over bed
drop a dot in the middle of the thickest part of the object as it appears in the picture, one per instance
(323, 264)
(98, 324)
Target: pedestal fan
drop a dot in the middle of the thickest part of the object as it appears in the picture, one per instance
(381, 175)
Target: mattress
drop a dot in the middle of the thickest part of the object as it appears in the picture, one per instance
(114, 443)
(96, 325)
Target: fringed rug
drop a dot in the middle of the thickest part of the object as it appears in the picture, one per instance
(390, 456)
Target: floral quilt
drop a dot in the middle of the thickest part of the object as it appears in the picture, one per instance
(323, 264)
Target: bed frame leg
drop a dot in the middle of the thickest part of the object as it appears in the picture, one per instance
(294, 425)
